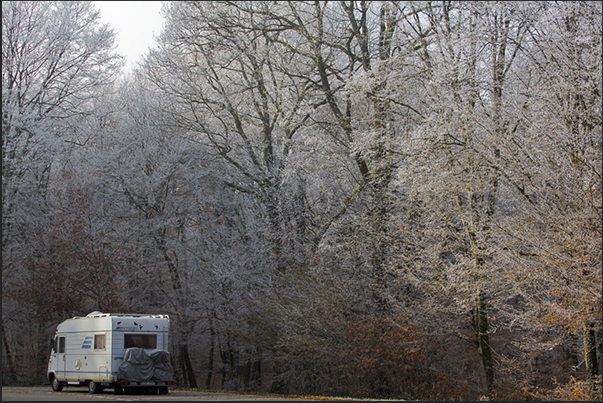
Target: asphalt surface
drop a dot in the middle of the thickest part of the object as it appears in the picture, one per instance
(70, 394)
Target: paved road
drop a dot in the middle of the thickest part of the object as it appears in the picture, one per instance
(45, 393)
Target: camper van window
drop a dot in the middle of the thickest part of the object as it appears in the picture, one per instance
(147, 341)
(60, 345)
(99, 341)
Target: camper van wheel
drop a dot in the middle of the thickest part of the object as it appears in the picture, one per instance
(94, 387)
(57, 386)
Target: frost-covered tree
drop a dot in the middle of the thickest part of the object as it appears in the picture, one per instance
(459, 155)
(557, 174)
(512, 136)
(57, 60)
(232, 96)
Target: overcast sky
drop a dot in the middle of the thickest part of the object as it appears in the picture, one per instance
(135, 23)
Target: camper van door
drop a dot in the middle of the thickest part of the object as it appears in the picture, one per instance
(58, 356)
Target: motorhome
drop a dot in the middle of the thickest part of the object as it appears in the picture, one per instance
(99, 351)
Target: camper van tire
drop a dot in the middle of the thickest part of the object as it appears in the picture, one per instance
(94, 387)
(57, 386)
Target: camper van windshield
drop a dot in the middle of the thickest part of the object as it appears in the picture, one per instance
(146, 341)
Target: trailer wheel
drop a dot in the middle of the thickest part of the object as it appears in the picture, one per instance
(57, 386)
(162, 390)
(94, 387)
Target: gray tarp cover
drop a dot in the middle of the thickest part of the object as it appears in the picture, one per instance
(163, 371)
(139, 366)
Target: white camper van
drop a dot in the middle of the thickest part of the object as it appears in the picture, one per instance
(89, 351)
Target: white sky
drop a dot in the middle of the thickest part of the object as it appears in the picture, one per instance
(135, 24)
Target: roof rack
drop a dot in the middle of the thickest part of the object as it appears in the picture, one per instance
(97, 314)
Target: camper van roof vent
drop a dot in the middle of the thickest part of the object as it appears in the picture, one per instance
(95, 313)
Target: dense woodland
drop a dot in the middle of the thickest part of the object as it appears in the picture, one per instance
(350, 198)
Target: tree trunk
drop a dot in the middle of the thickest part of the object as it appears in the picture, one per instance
(9, 359)
(256, 374)
(246, 375)
(382, 168)
(378, 217)
(210, 365)
(187, 368)
(480, 325)
(590, 353)
(228, 366)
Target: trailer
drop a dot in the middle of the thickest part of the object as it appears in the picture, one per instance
(111, 350)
